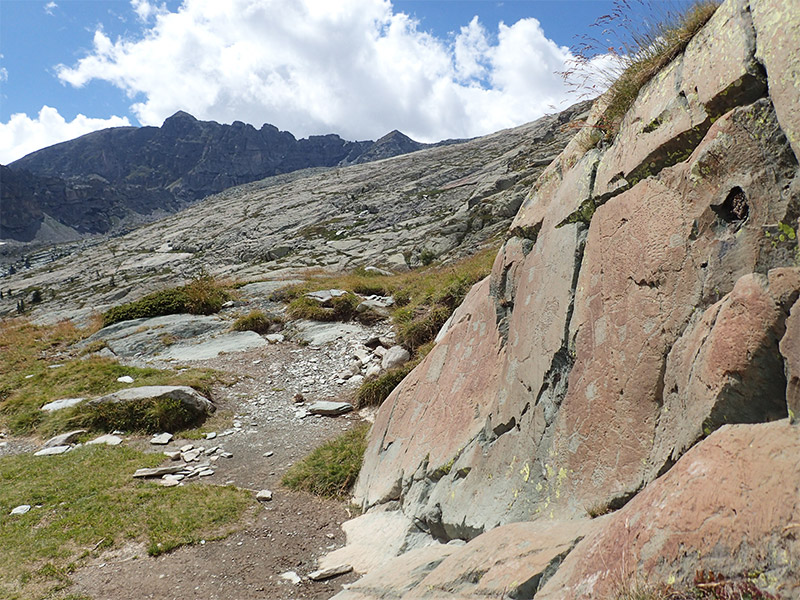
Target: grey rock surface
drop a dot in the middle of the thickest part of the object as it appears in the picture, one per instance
(190, 398)
(63, 403)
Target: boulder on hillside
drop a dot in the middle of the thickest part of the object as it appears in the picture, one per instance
(154, 409)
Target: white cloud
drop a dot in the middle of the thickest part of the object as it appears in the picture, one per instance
(3, 74)
(22, 135)
(354, 67)
(50, 7)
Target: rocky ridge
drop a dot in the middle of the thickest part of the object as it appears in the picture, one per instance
(630, 353)
(110, 180)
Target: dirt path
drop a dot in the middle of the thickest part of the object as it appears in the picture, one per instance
(287, 534)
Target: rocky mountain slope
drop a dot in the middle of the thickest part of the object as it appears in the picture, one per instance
(634, 352)
(117, 177)
(393, 213)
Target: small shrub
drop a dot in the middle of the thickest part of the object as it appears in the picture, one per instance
(204, 295)
(255, 320)
(201, 296)
(330, 470)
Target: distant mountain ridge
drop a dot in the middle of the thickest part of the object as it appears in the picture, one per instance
(124, 175)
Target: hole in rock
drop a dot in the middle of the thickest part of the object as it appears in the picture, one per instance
(735, 207)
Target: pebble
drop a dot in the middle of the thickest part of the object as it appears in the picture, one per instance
(21, 509)
(211, 435)
(291, 576)
(264, 496)
(172, 454)
(187, 447)
(125, 379)
(268, 454)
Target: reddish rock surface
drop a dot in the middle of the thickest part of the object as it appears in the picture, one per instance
(730, 505)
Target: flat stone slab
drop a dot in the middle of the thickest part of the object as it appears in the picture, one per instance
(107, 439)
(162, 439)
(158, 471)
(63, 403)
(53, 451)
(318, 334)
(328, 408)
(235, 341)
(325, 296)
(20, 510)
(64, 438)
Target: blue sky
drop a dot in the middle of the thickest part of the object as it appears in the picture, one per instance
(432, 68)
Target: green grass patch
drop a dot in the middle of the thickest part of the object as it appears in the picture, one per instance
(38, 365)
(150, 415)
(86, 501)
(331, 470)
(203, 295)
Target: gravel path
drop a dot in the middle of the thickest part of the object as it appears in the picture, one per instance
(287, 534)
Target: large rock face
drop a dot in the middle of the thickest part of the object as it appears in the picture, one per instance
(641, 302)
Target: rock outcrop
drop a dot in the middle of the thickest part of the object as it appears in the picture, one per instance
(645, 298)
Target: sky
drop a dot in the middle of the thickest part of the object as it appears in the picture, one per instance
(434, 69)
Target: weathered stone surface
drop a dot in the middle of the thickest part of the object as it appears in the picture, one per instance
(329, 408)
(676, 108)
(234, 341)
(397, 534)
(64, 438)
(20, 510)
(322, 574)
(63, 403)
(191, 399)
(394, 357)
(264, 496)
(729, 505)
(319, 334)
(777, 26)
(790, 349)
(406, 572)
(724, 369)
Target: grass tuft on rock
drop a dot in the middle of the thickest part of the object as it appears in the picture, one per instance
(151, 415)
(342, 308)
(255, 320)
(331, 470)
(639, 38)
(84, 502)
(373, 392)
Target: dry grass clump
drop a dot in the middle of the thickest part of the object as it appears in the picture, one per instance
(639, 38)
(330, 470)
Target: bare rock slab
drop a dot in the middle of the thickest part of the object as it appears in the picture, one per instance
(64, 439)
(63, 403)
(394, 357)
(157, 471)
(323, 574)
(53, 451)
(107, 439)
(328, 408)
(162, 439)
